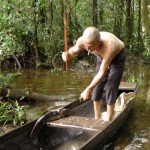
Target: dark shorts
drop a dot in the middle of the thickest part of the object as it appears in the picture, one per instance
(111, 80)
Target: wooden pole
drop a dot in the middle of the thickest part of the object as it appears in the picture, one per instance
(65, 38)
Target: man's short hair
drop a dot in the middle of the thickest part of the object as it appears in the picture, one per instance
(91, 33)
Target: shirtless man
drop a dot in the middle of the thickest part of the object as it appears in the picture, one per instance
(110, 54)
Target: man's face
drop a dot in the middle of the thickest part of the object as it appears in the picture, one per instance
(91, 45)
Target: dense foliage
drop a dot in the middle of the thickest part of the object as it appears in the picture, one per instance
(31, 31)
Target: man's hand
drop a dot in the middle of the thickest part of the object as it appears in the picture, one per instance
(85, 95)
(65, 56)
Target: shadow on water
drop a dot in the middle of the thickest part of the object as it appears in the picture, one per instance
(67, 86)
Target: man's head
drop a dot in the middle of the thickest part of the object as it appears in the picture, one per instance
(91, 38)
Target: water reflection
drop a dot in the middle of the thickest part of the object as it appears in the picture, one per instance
(135, 133)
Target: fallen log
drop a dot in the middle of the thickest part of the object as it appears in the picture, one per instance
(22, 94)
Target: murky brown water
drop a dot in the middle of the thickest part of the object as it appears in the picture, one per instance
(67, 86)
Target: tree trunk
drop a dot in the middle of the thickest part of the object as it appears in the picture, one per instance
(139, 26)
(129, 22)
(77, 25)
(95, 12)
(20, 94)
(101, 15)
(118, 18)
(145, 25)
(71, 25)
(42, 12)
(37, 60)
(51, 16)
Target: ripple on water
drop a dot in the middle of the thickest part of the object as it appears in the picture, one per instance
(137, 142)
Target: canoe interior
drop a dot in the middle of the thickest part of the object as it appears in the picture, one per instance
(68, 133)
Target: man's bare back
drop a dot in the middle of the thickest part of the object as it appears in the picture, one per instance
(109, 44)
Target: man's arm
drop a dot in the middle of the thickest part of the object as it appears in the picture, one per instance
(101, 73)
(73, 51)
(99, 76)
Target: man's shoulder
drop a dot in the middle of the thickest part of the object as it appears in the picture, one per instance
(79, 42)
(108, 36)
(80, 39)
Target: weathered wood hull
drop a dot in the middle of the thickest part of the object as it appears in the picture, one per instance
(78, 131)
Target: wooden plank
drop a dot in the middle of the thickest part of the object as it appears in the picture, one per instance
(127, 86)
(79, 123)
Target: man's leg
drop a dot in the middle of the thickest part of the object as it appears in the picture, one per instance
(110, 112)
(97, 108)
(115, 75)
(98, 91)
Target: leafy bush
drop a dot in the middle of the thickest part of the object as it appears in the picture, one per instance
(146, 55)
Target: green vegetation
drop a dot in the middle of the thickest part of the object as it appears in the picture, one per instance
(12, 112)
(137, 79)
(5, 78)
(31, 32)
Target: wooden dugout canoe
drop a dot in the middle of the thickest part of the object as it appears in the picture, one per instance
(76, 129)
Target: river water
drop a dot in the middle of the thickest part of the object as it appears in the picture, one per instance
(67, 86)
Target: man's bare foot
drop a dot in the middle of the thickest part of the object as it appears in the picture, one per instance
(106, 117)
(97, 117)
